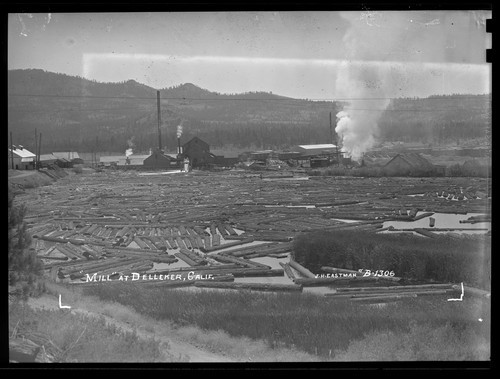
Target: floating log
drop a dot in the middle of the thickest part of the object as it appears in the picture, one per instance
(383, 299)
(134, 250)
(53, 259)
(180, 242)
(207, 243)
(251, 272)
(215, 241)
(471, 291)
(249, 286)
(141, 243)
(186, 259)
(191, 255)
(214, 269)
(288, 270)
(139, 267)
(91, 230)
(396, 288)
(230, 230)
(400, 296)
(244, 262)
(262, 250)
(304, 271)
(165, 258)
(423, 215)
(373, 294)
(339, 270)
(98, 265)
(426, 233)
(442, 229)
(148, 243)
(166, 283)
(213, 230)
(312, 282)
(76, 251)
(226, 245)
(240, 251)
(46, 252)
(122, 232)
(413, 212)
(67, 252)
(187, 242)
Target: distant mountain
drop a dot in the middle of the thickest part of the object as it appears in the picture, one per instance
(74, 113)
(81, 114)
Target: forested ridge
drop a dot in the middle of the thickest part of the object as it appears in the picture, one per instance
(74, 113)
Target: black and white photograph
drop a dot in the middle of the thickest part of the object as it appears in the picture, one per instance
(249, 188)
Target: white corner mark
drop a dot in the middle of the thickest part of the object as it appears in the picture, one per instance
(461, 296)
(63, 306)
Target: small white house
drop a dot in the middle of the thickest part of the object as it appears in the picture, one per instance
(318, 149)
(21, 158)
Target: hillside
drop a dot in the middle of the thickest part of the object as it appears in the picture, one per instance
(74, 113)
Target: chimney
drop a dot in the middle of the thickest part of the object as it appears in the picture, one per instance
(20, 147)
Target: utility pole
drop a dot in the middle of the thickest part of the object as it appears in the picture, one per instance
(159, 118)
(11, 151)
(96, 148)
(39, 149)
(331, 130)
(36, 149)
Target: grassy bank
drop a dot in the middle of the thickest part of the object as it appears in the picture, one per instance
(439, 259)
(69, 337)
(332, 329)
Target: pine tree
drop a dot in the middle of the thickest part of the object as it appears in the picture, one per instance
(23, 265)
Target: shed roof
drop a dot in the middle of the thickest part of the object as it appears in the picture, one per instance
(195, 140)
(413, 159)
(67, 155)
(318, 146)
(24, 154)
(48, 157)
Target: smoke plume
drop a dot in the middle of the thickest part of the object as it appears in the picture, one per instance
(385, 52)
(364, 85)
(179, 130)
(131, 146)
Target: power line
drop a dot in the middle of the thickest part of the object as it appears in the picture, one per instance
(148, 110)
(242, 98)
(414, 110)
(71, 110)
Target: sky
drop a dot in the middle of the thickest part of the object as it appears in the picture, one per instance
(313, 55)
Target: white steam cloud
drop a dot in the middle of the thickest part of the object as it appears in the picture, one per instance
(131, 146)
(394, 49)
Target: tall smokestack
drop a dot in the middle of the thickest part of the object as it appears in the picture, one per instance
(11, 151)
(159, 118)
(179, 134)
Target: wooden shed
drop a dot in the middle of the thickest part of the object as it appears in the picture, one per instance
(21, 158)
(48, 159)
(408, 164)
(198, 152)
(157, 160)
